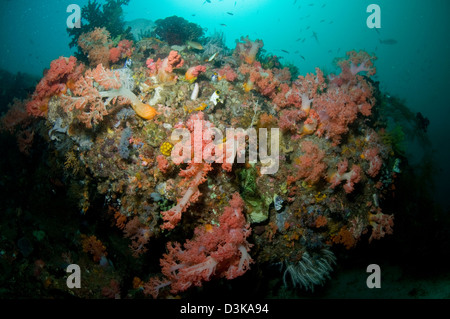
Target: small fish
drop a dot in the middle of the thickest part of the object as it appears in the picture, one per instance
(388, 41)
(323, 5)
(298, 39)
(307, 28)
(235, 3)
(209, 1)
(230, 13)
(193, 14)
(311, 4)
(194, 45)
(329, 51)
(278, 202)
(315, 36)
(302, 57)
(321, 21)
(285, 51)
(212, 57)
(128, 63)
(297, 51)
(303, 40)
(330, 22)
(223, 24)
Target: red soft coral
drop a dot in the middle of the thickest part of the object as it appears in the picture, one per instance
(114, 54)
(62, 71)
(97, 89)
(382, 224)
(308, 86)
(194, 175)
(220, 251)
(352, 177)
(139, 234)
(290, 120)
(372, 155)
(351, 66)
(193, 72)
(163, 163)
(361, 61)
(311, 166)
(15, 116)
(123, 50)
(163, 69)
(227, 73)
(87, 100)
(96, 46)
(336, 111)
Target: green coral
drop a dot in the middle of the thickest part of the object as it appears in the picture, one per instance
(293, 70)
(268, 61)
(154, 135)
(395, 138)
(257, 204)
(247, 182)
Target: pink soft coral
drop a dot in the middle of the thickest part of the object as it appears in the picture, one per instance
(375, 161)
(163, 163)
(194, 175)
(311, 166)
(352, 177)
(291, 119)
(163, 69)
(336, 111)
(87, 100)
(220, 251)
(227, 73)
(63, 72)
(97, 89)
(193, 72)
(123, 50)
(382, 224)
(96, 45)
(139, 234)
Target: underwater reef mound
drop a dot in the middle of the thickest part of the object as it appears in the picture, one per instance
(140, 141)
(177, 31)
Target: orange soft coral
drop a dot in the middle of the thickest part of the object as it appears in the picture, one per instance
(247, 49)
(193, 72)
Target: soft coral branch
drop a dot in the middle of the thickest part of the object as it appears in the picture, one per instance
(63, 72)
(221, 251)
(382, 224)
(90, 100)
(194, 175)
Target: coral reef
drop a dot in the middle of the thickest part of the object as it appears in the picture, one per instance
(134, 147)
